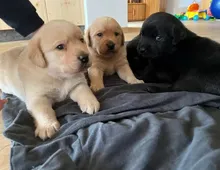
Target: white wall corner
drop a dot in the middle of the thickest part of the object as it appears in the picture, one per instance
(117, 9)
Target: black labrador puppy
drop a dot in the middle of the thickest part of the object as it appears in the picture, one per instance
(165, 51)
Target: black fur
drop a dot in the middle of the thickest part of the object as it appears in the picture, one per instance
(165, 51)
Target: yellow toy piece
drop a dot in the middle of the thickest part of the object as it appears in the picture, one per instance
(202, 14)
(190, 15)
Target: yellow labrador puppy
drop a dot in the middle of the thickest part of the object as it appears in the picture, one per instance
(105, 41)
(49, 69)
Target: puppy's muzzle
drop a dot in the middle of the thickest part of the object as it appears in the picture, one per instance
(84, 59)
(110, 45)
(142, 50)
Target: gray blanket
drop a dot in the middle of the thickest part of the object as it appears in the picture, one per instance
(134, 130)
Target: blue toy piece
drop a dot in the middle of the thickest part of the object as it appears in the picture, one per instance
(207, 17)
(196, 18)
(185, 18)
(215, 8)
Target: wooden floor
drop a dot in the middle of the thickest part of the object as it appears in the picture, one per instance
(204, 28)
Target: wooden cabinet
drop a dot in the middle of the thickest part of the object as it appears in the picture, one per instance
(153, 6)
(140, 11)
(70, 10)
(163, 5)
(40, 6)
(136, 11)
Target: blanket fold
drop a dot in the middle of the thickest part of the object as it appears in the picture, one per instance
(134, 130)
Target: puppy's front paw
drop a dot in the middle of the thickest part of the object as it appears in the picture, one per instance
(46, 129)
(96, 87)
(89, 105)
(135, 81)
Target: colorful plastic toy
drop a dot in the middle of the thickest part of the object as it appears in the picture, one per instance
(180, 16)
(193, 13)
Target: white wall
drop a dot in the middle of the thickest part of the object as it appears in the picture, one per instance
(177, 6)
(185, 3)
(113, 8)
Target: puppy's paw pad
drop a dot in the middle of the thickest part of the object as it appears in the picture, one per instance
(90, 106)
(46, 130)
(96, 87)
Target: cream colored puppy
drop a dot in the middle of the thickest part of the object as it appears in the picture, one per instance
(105, 41)
(48, 70)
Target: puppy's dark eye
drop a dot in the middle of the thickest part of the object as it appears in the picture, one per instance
(100, 34)
(82, 40)
(116, 34)
(60, 47)
(158, 38)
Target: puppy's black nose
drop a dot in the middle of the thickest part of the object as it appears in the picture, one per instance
(110, 45)
(142, 50)
(84, 59)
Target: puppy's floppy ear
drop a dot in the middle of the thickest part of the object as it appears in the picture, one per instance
(35, 53)
(178, 34)
(122, 39)
(88, 38)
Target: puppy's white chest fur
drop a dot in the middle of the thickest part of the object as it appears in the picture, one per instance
(111, 69)
(60, 89)
(109, 65)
